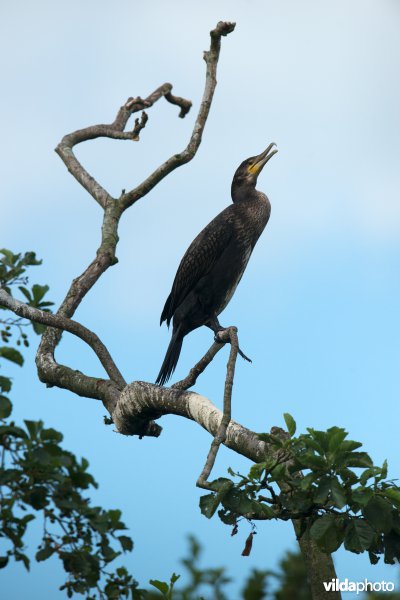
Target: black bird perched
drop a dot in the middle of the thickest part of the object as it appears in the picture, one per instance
(215, 261)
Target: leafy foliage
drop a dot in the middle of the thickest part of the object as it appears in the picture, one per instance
(322, 479)
(13, 273)
(38, 477)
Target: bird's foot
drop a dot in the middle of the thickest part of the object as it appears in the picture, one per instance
(222, 337)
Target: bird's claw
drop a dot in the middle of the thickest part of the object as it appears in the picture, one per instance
(217, 338)
(242, 354)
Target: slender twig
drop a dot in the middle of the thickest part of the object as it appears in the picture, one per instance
(45, 318)
(223, 337)
(226, 417)
(211, 57)
(198, 368)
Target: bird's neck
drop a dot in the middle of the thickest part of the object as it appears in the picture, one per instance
(243, 193)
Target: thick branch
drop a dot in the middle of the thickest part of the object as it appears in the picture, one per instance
(53, 374)
(46, 318)
(141, 401)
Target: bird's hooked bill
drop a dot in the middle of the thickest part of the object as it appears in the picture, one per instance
(261, 160)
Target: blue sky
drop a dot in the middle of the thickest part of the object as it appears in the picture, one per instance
(317, 309)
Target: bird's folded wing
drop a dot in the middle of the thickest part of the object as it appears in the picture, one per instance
(199, 259)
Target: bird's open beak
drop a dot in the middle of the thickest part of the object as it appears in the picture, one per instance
(261, 160)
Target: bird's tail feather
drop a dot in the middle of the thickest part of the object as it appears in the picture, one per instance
(171, 357)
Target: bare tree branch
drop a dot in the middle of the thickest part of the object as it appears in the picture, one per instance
(211, 57)
(39, 316)
(113, 209)
(199, 367)
(114, 130)
(226, 417)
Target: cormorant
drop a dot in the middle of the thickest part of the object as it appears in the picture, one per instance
(215, 261)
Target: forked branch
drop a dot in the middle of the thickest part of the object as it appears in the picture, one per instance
(114, 207)
(63, 323)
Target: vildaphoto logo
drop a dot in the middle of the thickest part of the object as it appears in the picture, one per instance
(336, 585)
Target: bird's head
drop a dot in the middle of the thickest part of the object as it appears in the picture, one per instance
(247, 173)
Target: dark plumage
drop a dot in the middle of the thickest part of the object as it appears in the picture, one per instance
(215, 261)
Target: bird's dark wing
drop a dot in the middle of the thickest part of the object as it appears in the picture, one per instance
(199, 258)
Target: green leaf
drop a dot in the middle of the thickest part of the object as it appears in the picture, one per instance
(12, 354)
(9, 475)
(30, 259)
(38, 292)
(41, 456)
(5, 384)
(12, 431)
(37, 498)
(362, 495)
(392, 548)
(307, 481)
(336, 436)
(347, 475)
(221, 484)
(5, 407)
(327, 533)
(358, 459)
(9, 257)
(256, 470)
(378, 513)
(290, 424)
(368, 474)
(38, 328)
(3, 561)
(238, 502)
(321, 437)
(350, 445)
(50, 434)
(359, 536)
(309, 460)
(19, 556)
(209, 504)
(126, 543)
(33, 428)
(278, 472)
(44, 553)
(338, 493)
(393, 495)
(174, 578)
(161, 586)
(322, 491)
(26, 293)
